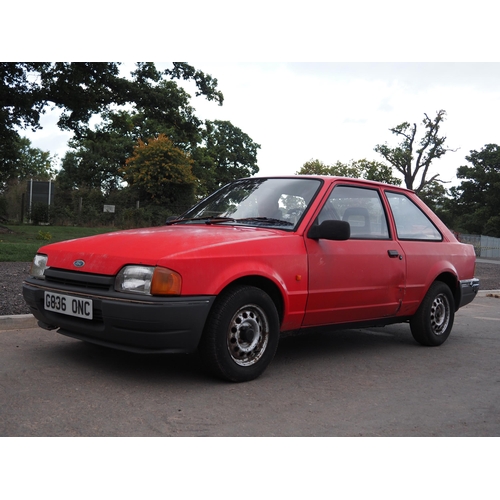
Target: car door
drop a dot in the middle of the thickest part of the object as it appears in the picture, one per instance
(423, 245)
(361, 278)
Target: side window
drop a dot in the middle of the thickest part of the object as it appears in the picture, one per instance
(411, 222)
(361, 207)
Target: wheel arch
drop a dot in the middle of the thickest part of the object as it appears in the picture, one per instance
(452, 281)
(266, 285)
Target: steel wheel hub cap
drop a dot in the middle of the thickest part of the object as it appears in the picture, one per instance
(440, 314)
(248, 335)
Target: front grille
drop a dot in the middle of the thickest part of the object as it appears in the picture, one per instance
(79, 280)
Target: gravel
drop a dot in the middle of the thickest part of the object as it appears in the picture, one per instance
(13, 274)
(11, 293)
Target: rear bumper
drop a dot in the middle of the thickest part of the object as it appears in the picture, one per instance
(148, 324)
(468, 291)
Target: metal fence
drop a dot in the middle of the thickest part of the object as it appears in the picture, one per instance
(485, 246)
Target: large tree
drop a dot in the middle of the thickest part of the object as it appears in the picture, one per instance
(477, 198)
(97, 154)
(83, 89)
(412, 157)
(226, 153)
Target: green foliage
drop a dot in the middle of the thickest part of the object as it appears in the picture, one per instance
(82, 89)
(226, 154)
(44, 235)
(24, 162)
(207, 85)
(433, 194)
(360, 169)
(152, 215)
(99, 155)
(376, 171)
(148, 104)
(39, 214)
(161, 172)
(477, 198)
(413, 160)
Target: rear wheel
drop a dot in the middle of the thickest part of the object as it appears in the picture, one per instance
(241, 335)
(432, 323)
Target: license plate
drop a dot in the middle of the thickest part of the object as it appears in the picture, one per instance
(67, 304)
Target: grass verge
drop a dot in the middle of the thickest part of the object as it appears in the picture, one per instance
(20, 243)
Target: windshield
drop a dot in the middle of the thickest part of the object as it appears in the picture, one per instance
(279, 203)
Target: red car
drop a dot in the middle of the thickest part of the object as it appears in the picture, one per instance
(259, 258)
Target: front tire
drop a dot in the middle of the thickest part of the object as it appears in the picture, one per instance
(432, 323)
(241, 335)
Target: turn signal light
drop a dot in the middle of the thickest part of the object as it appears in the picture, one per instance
(165, 282)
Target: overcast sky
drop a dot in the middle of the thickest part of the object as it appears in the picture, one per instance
(340, 111)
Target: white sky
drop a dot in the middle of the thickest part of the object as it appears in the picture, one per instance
(340, 111)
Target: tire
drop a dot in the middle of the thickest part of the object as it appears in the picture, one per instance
(241, 335)
(432, 323)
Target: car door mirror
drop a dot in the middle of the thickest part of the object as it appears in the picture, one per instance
(337, 230)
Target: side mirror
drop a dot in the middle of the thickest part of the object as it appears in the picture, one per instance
(337, 230)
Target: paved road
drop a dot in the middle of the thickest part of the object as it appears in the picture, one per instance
(372, 382)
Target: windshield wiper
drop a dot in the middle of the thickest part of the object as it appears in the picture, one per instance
(206, 220)
(220, 220)
(266, 220)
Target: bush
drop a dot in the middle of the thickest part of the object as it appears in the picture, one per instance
(44, 235)
(39, 214)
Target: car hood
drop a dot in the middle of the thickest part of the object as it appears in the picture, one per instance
(108, 253)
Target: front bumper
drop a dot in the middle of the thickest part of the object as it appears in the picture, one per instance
(139, 324)
(468, 291)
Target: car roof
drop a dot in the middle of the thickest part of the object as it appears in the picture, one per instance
(331, 178)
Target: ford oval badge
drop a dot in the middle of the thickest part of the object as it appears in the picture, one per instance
(79, 263)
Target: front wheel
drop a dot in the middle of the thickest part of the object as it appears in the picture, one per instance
(432, 323)
(241, 335)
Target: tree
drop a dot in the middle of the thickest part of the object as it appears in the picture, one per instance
(161, 173)
(25, 162)
(414, 160)
(226, 153)
(477, 198)
(360, 169)
(435, 196)
(83, 89)
(98, 154)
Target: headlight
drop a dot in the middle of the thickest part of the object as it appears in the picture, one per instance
(38, 266)
(148, 280)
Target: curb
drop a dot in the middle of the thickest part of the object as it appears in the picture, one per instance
(489, 293)
(23, 321)
(19, 321)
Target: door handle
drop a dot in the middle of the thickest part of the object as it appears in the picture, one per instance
(394, 253)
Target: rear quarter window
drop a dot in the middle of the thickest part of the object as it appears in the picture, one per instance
(411, 222)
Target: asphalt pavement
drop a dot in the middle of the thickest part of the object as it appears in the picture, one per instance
(363, 382)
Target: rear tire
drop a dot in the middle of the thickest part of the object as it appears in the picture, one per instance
(241, 335)
(432, 323)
